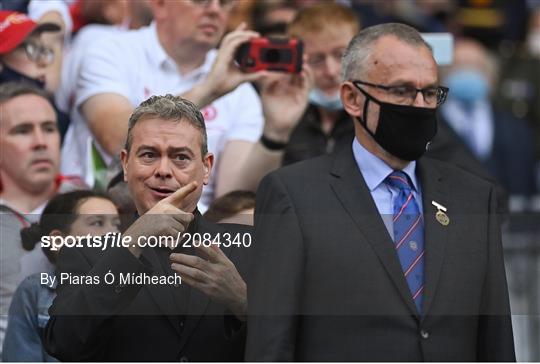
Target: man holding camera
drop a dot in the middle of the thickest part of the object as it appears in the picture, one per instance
(176, 55)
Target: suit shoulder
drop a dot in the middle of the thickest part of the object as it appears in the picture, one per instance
(458, 175)
(304, 169)
(234, 228)
(206, 226)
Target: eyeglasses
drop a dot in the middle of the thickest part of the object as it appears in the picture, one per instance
(225, 4)
(38, 53)
(317, 60)
(433, 96)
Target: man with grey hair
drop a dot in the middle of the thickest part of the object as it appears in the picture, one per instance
(385, 254)
(166, 164)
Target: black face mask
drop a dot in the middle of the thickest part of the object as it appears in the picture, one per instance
(403, 131)
(9, 74)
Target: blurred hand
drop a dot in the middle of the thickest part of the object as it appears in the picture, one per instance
(284, 99)
(215, 275)
(225, 76)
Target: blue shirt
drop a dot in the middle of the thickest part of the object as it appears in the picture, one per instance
(27, 318)
(375, 170)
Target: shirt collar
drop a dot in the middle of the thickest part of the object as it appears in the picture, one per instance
(37, 211)
(375, 170)
(156, 53)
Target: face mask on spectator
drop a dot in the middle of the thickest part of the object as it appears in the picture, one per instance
(467, 85)
(533, 43)
(404, 131)
(330, 103)
(9, 74)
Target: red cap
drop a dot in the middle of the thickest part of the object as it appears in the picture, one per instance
(16, 27)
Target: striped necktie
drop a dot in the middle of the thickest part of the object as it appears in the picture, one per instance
(408, 235)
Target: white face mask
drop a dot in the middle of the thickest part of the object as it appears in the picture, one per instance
(330, 103)
(533, 43)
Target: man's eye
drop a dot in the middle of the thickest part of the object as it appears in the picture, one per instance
(50, 128)
(181, 157)
(316, 59)
(338, 54)
(400, 91)
(148, 155)
(22, 130)
(430, 92)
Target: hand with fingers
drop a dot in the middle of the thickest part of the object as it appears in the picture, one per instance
(225, 76)
(164, 219)
(212, 273)
(284, 100)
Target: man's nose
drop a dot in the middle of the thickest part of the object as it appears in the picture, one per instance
(41, 62)
(214, 6)
(39, 141)
(334, 66)
(419, 100)
(163, 169)
(331, 67)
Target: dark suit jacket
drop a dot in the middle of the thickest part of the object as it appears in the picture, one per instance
(448, 147)
(140, 322)
(328, 285)
(512, 157)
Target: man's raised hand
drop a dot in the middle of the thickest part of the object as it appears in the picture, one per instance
(164, 219)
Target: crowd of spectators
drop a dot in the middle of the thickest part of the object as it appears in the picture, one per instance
(72, 72)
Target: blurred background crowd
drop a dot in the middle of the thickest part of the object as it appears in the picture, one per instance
(496, 58)
(492, 112)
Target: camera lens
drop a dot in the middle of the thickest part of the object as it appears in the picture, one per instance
(272, 56)
(276, 55)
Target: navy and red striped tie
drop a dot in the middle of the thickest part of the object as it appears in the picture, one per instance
(408, 235)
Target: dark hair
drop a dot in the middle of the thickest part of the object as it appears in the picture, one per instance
(229, 205)
(259, 14)
(59, 214)
(118, 191)
(12, 89)
(172, 108)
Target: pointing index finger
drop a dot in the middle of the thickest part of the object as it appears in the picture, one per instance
(180, 194)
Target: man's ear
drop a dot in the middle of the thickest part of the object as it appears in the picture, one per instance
(208, 162)
(351, 99)
(158, 8)
(124, 160)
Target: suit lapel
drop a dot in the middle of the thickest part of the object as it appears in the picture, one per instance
(353, 193)
(161, 294)
(197, 305)
(435, 234)
(198, 302)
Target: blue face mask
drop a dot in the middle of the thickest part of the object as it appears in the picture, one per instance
(467, 86)
(330, 103)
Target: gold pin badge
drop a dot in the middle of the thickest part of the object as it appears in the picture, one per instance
(441, 216)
